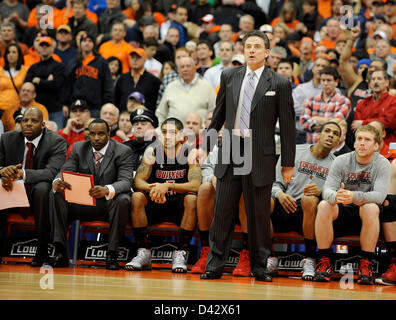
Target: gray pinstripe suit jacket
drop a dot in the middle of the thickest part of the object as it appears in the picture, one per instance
(265, 111)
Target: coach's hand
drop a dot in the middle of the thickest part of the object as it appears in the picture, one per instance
(60, 185)
(98, 192)
(7, 184)
(287, 174)
(11, 172)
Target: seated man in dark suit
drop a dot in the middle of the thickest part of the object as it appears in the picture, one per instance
(34, 155)
(111, 165)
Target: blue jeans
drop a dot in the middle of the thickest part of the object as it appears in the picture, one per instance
(58, 118)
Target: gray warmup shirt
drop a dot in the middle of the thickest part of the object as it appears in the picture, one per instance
(369, 182)
(307, 170)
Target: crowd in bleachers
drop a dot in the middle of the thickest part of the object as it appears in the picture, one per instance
(136, 64)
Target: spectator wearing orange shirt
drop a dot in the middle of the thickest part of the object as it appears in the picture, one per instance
(246, 24)
(333, 28)
(33, 57)
(57, 14)
(288, 17)
(44, 28)
(27, 96)
(117, 46)
(107, 18)
(12, 77)
(146, 9)
(130, 13)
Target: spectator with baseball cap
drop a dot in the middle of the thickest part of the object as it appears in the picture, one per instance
(49, 78)
(238, 60)
(138, 79)
(135, 100)
(64, 49)
(362, 65)
(74, 129)
(210, 29)
(144, 122)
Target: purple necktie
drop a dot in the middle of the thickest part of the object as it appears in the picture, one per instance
(248, 94)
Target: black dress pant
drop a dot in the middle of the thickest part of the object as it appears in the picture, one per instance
(115, 211)
(257, 203)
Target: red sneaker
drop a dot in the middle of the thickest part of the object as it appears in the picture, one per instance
(243, 267)
(323, 270)
(199, 266)
(365, 272)
(389, 277)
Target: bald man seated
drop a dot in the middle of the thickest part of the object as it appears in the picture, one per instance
(35, 155)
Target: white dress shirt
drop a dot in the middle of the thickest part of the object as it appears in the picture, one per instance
(258, 73)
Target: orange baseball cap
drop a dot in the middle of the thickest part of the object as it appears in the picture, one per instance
(140, 52)
(47, 40)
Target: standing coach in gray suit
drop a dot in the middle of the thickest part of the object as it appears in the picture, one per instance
(250, 101)
(110, 163)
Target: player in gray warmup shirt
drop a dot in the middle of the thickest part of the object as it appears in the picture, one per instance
(353, 195)
(293, 205)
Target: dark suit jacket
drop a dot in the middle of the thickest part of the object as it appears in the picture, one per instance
(265, 111)
(49, 156)
(116, 167)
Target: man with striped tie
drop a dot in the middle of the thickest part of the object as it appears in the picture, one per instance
(250, 101)
(110, 163)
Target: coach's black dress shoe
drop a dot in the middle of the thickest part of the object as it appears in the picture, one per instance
(39, 260)
(41, 256)
(263, 276)
(111, 261)
(210, 275)
(59, 261)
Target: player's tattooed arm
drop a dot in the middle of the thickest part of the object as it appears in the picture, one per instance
(144, 171)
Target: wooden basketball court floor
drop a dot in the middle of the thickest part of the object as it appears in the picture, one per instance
(22, 282)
